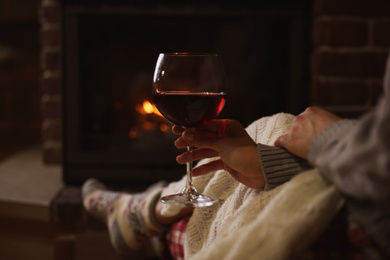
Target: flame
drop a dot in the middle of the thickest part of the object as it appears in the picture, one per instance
(150, 119)
(147, 108)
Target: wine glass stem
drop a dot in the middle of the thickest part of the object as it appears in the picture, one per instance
(189, 169)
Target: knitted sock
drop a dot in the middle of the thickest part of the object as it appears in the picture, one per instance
(129, 217)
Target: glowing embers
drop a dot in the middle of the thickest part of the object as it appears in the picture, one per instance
(150, 120)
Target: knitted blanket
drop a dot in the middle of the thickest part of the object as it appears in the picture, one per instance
(248, 224)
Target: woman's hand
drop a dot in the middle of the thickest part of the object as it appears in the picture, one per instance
(305, 127)
(227, 139)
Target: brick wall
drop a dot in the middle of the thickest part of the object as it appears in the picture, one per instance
(350, 47)
(51, 81)
(351, 40)
(19, 74)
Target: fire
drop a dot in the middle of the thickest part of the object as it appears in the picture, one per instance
(147, 108)
(150, 119)
(133, 132)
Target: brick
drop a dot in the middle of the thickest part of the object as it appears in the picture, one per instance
(50, 60)
(20, 36)
(356, 64)
(52, 154)
(340, 32)
(50, 36)
(52, 130)
(50, 12)
(51, 108)
(358, 8)
(341, 93)
(68, 207)
(18, 11)
(51, 85)
(381, 33)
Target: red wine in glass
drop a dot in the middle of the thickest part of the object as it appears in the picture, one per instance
(189, 89)
(189, 109)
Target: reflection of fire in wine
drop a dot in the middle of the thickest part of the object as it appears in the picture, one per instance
(150, 119)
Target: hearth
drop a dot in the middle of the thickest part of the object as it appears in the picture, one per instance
(111, 129)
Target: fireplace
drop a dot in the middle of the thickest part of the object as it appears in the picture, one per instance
(112, 131)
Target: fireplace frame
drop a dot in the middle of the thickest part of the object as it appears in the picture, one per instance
(136, 167)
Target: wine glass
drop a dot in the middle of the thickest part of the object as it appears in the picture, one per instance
(189, 89)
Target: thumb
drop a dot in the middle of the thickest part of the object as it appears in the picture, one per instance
(279, 141)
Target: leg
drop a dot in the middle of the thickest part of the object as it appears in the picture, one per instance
(130, 218)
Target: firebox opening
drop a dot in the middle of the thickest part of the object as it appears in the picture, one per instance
(109, 56)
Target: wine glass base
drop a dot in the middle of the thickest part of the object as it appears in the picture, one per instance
(189, 200)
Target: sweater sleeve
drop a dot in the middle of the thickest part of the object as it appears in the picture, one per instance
(355, 157)
(279, 165)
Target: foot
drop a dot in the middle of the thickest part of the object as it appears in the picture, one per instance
(129, 217)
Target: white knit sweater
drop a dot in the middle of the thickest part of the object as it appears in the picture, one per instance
(244, 224)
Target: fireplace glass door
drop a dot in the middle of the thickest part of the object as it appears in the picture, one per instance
(112, 130)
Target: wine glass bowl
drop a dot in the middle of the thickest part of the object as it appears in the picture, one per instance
(189, 89)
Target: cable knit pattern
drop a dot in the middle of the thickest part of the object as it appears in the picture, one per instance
(243, 225)
(207, 223)
(284, 229)
(265, 130)
(238, 204)
(224, 230)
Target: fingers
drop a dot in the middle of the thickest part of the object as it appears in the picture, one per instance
(177, 130)
(287, 137)
(198, 138)
(196, 155)
(208, 167)
(280, 142)
(214, 126)
(195, 138)
(202, 135)
(180, 143)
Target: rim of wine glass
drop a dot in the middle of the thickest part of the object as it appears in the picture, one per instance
(190, 54)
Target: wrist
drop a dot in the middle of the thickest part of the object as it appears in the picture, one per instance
(278, 165)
